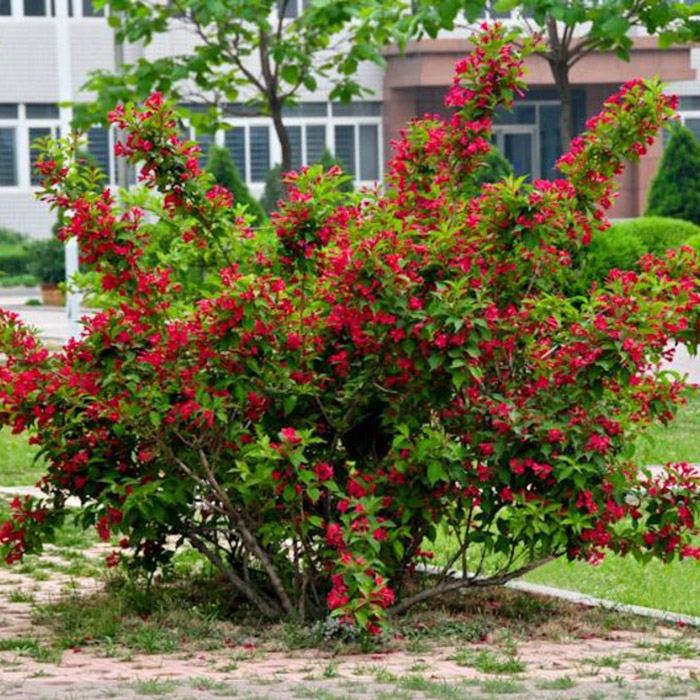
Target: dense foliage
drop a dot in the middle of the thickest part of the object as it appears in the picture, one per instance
(675, 190)
(625, 244)
(393, 368)
(225, 173)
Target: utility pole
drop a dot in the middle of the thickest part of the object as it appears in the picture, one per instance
(65, 96)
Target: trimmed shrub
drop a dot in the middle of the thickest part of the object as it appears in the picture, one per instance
(225, 173)
(657, 234)
(14, 255)
(273, 194)
(47, 261)
(675, 190)
(18, 281)
(390, 371)
(693, 242)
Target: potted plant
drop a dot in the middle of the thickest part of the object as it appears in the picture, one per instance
(48, 265)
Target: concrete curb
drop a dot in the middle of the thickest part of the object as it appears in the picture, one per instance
(593, 602)
(587, 600)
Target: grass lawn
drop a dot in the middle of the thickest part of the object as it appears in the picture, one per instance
(671, 587)
(17, 465)
(678, 442)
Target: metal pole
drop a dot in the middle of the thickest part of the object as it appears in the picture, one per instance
(65, 95)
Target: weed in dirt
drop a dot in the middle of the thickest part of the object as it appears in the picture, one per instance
(26, 646)
(676, 647)
(488, 661)
(598, 662)
(561, 683)
(20, 596)
(153, 686)
(204, 683)
(500, 686)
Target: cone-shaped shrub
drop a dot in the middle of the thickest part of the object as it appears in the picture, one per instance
(273, 194)
(393, 371)
(225, 173)
(675, 190)
(328, 161)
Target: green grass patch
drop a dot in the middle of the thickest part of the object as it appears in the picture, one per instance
(671, 587)
(677, 442)
(17, 460)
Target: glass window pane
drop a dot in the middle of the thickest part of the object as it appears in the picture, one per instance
(369, 152)
(550, 140)
(306, 109)
(98, 147)
(315, 143)
(8, 111)
(35, 8)
(345, 148)
(8, 164)
(36, 132)
(90, 11)
(259, 153)
(289, 7)
(520, 114)
(295, 142)
(204, 141)
(357, 109)
(5, 8)
(42, 110)
(694, 126)
(234, 139)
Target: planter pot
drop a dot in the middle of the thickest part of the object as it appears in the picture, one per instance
(51, 295)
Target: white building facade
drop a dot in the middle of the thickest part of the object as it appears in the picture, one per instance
(47, 50)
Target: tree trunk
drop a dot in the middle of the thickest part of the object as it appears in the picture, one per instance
(282, 135)
(560, 73)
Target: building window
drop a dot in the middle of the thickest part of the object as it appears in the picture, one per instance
(8, 157)
(315, 143)
(259, 153)
(8, 111)
(35, 8)
(42, 110)
(345, 148)
(294, 133)
(357, 109)
(5, 8)
(357, 148)
(99, 147)
(90, 11)
(234, 141)
(204, 141)
(369, 152)
(36, 132)
(288, 8)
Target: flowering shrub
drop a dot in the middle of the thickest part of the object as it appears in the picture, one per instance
(366, 378)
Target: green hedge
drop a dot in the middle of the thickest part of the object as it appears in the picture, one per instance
(693, 242)
(657, 233)
(13, 259)
(626, 241)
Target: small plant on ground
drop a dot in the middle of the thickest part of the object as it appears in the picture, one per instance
(363, 374)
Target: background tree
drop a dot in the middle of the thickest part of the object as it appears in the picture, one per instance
(274, 189)
(224, 170)
(328, 160)
(247, 51)
(573, 29)
(675, 190)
